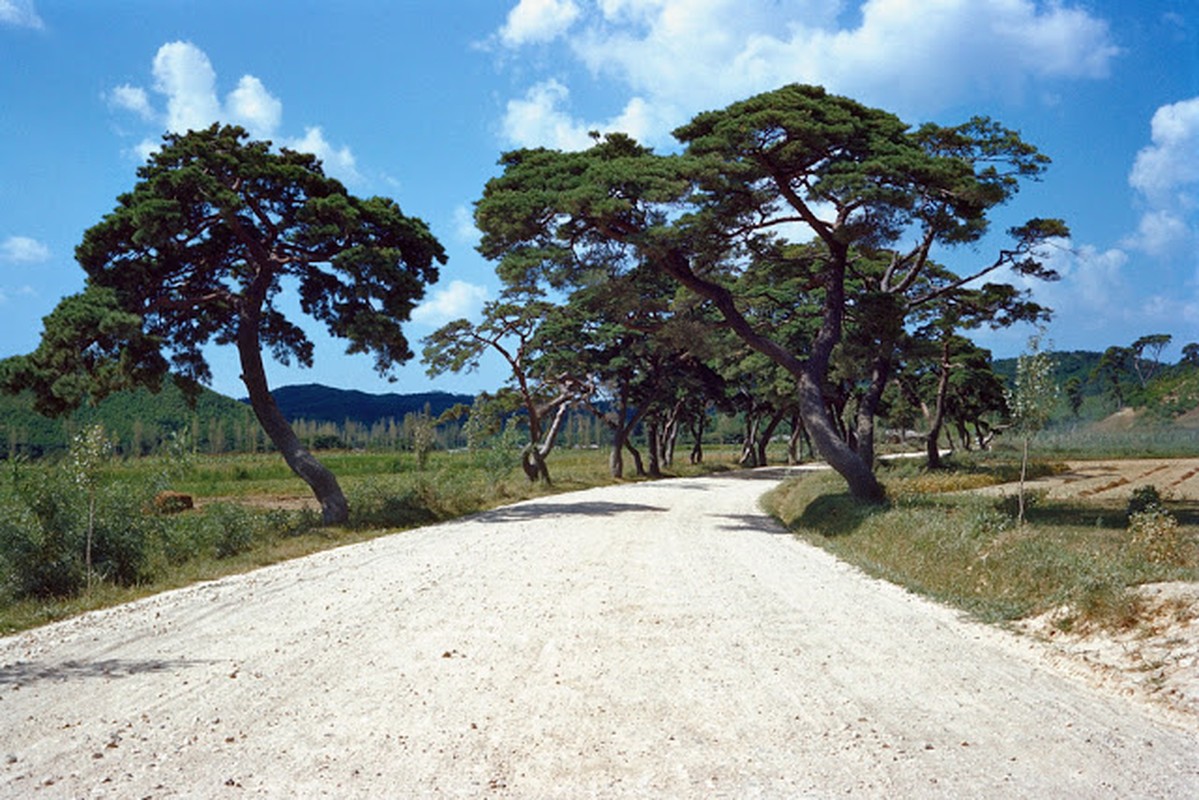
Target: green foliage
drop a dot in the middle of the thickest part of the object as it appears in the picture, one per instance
(1144, 498)
(383, 503)
(424, 437)
(46, 517)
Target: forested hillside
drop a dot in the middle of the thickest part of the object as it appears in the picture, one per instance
(318, 403)
(140, 421)
(1094, 385)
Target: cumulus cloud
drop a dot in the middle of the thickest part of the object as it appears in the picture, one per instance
(20, 13)
(457, 300)
(338, 162)
(183, 73)
(537, 21)
(254, 108)
(1165, 176)
(539, 119)
(687, 55)
(464, 225)
(542, 119)
(186, 80)
(1169, 163)
(23, 250)
(132, 98)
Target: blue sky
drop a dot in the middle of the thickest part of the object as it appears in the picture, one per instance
(416, 100)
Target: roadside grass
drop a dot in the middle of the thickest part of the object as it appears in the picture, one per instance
(251, 511)
(969, 552)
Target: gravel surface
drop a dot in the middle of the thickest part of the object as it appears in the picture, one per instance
(658, 639)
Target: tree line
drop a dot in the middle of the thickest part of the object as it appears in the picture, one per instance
(782, 265)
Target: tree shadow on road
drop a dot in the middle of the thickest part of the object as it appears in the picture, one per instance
(25, 673)
(754, 523)
(586, 508)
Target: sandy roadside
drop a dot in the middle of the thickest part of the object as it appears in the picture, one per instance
(645, 640)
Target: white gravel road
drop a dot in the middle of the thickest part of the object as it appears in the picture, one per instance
(648, 640)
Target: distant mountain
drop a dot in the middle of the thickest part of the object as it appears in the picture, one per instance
(318, 403)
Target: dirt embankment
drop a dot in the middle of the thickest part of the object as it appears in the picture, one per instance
(1160, 657)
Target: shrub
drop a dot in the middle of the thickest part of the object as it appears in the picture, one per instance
(43, 532)
(1144, 498)
(384, 504)
(1156, 536)
(41, 539)
(233, 528)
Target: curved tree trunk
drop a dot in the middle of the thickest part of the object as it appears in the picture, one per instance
(766, 435)
(334, 508)
(859, 477)
(809, 373)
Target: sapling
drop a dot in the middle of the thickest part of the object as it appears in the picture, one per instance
(90, 449)
(1031, 403)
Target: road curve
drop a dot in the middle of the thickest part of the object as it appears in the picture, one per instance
(662, 640)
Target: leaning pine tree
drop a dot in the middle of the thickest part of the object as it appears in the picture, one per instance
(199, 252)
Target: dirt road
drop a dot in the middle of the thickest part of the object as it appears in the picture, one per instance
(659, 639)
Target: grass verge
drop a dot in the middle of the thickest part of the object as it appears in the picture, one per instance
(967, 551)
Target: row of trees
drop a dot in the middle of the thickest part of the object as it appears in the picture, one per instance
(782, 262)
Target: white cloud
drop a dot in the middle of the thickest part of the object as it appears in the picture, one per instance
(537, 21)
(464, 225)
(457, 300)
(338, 162)
(1165, 176)
(20, 13)
(1160, 233)
(23, 250)
(185, 77)
(1170, 162)
(540, 119)
(132, 98)
(682, 56)
(254, 108)
(184, 74)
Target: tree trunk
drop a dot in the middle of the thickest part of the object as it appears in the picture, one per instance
(653, 435)
(697, 433)
(810, 373)
(764, 437)
(616, 457)
(334, 508)
(794, 441)
(963, 434)
(638, 464)
(749, 453)
(934, 431)
(859, 476)
(532, 459)
(868, 407)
